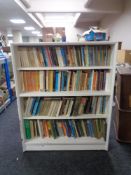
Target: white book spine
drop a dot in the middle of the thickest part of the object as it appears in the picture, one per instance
(107, 83)
(41, 78)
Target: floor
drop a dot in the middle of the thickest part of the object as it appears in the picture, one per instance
(117, 161)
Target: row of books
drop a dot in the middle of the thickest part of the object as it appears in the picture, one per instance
(65, 80)
(70, 128)
(65, 106)
(45, 56)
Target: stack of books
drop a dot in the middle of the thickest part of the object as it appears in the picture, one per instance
(65, 106)
(49, 56)
(69, 128)
(65, 80)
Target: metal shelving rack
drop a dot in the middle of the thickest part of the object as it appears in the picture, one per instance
(5, 61)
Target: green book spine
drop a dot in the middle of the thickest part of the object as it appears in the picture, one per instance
(53, 130)
(27, 129)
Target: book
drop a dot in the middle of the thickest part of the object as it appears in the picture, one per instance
(35, 107)
(27, 129)
(45, 60)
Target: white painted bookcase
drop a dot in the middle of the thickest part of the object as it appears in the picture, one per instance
(65, 143)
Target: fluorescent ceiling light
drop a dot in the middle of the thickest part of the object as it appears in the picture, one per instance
(29, 28)
(29, 14)
(9, 35)
(36, 32)
(41, 18)
(17, 21)
(34, 19)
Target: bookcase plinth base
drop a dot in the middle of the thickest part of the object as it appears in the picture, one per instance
(65, 144)
(52, 147)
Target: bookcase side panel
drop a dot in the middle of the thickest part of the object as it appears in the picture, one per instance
(17, 83)
(113, 57)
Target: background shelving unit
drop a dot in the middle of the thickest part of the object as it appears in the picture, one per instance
(5, 62)
(64, 143)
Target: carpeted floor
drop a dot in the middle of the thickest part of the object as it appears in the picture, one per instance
(117, 161)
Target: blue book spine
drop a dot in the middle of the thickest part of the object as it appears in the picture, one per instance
(36, 106)
(63, 56)
(90, 80)
(56, 80)
(32, 106)
(101, 104)
(65, 80)
(39, 107)
(72, 128)
(91, 128)
(44, 56)
(62, 81)
(89, 55)
(82, 56)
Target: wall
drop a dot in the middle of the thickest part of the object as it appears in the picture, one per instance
(120, 26)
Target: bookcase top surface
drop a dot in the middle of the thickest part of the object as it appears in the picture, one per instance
(124, 70)
(64, 43)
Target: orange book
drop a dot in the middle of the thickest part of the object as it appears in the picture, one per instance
(36, 81)
(25, 80)
(64, 128)
(29, 82)
(45, 126)
(50, 81)
(32, 79)
(94, 80)
(40, 57)
(49, 128)
(82, 80)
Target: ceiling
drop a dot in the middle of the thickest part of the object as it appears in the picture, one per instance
(10, 9)
(44, 13)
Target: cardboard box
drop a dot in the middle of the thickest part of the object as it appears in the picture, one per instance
(123, 56)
